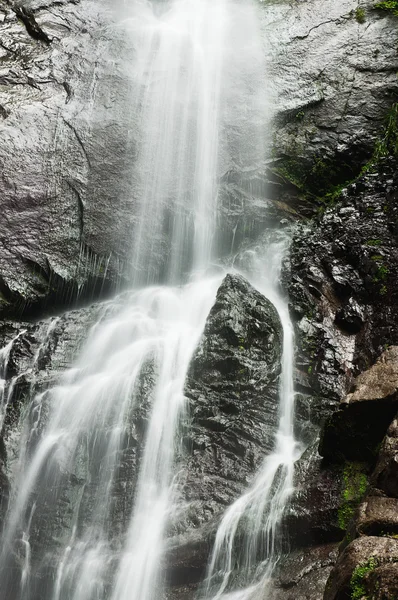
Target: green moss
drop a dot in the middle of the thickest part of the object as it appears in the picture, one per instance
(389, 5)
(292, 171)
(355, 483)
(374, 243)
(360, 15)
(357, 584)
(382, 269)
(323, 181)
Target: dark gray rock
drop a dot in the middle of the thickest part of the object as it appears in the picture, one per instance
(302, 575)
(312, 515)
(232, 390)
(341, 265)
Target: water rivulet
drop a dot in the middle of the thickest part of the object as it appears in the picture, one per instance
(94, 478)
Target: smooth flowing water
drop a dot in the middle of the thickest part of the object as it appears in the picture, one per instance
(199, 109)
(248, 543)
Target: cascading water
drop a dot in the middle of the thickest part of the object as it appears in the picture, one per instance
(248, 541)
(199, 109)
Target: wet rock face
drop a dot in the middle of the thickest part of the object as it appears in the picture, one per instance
(38, 356)
(67, 214)
(303, 574)
(355, 431)
(67, 145)
(312, 516)
(232, 390)
(341, 266)
(329, 111)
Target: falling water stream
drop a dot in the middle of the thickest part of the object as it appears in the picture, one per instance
(199, 108)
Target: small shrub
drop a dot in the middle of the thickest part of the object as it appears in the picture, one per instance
(358, 589)
(355, 483)
(360, 15)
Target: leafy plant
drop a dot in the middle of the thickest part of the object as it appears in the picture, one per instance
(358, 589)
(390, 5)
(355, 483)
(360, 15)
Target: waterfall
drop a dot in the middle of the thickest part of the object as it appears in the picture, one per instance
(199, 110)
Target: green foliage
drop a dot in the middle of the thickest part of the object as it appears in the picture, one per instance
(389, 5)
(382, 269)
(323, 181)
(355, 483)
(388, 145)
(358, 589)
(374, 243)
(383, 290)
(292, 171)
(360, 15)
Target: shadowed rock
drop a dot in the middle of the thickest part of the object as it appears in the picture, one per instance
(358, 427)
(378, 516)
(385, 476)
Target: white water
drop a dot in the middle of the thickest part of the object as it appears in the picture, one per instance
(248, 541)
(199, 107)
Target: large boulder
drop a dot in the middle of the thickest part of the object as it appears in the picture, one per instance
(377, 515)
(232, 390)
(358, 561)
(233, 396)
